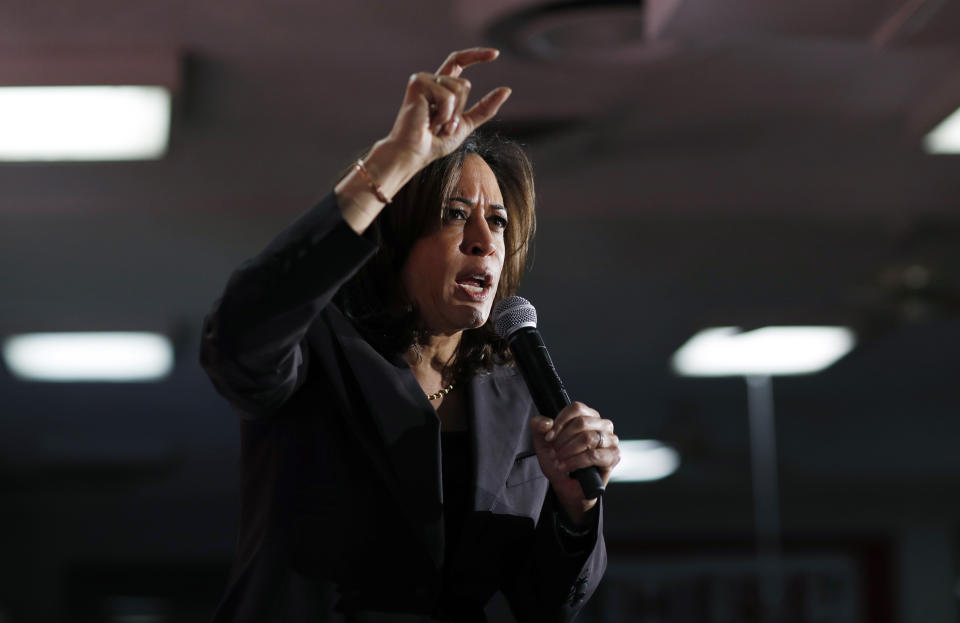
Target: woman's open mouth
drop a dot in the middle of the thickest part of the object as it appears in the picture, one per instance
(474, 286)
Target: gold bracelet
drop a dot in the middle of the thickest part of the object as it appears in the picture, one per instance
(374, 187)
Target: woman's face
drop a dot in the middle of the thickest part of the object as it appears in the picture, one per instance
(452, 273)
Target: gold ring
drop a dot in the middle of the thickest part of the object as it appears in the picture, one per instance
(599, 439)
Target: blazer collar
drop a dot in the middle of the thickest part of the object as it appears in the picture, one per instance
(499, 408)
(499, 411)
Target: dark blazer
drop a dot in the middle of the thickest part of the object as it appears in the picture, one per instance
(342, 499)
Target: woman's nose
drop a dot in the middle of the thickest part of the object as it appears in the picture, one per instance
(478, 239)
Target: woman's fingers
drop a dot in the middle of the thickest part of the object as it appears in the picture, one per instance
(576, 439)
(584, 434)
(460, 59)
(580, 437)
(486, 108)
(572, 413)
(603, 459)
(587, 443)
(432, 122)
(445, 98)
(460, 87)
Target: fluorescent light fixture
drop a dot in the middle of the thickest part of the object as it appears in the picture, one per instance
(68, 123)
(113, 356)
(945, 138)
(642, 460)
(770, 351)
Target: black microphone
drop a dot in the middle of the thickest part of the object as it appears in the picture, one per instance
(515, 320)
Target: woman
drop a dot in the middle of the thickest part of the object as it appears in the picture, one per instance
(394, 467)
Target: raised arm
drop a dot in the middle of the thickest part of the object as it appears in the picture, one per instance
(252, 344)
(432, 122)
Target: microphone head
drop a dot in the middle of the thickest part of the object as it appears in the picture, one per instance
(513, 313)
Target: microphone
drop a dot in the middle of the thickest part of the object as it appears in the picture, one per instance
(515, 320)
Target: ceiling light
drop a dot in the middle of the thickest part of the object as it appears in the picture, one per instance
(643, 460)
(600, 31)
(88, 356)
(945, 138)
(770, 351)
(69, 123)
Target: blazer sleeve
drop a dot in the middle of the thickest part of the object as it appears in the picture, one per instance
(252, 345)
(548, 583)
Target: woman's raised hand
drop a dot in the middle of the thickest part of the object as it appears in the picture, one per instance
(432, 122)
(433, 119)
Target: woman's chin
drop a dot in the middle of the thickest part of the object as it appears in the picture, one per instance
(470, 317)
(458, 318)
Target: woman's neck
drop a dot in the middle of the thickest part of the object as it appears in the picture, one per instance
(428, 359)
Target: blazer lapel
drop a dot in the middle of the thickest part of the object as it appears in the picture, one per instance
(499, 412)
(409, 428)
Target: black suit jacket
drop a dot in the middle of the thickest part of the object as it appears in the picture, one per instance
(342, 497)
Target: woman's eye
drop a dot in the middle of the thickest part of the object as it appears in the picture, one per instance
(454, 214)
(499, 222)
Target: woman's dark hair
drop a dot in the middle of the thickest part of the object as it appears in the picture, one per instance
(374, 298)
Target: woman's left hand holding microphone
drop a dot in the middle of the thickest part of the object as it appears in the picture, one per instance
(576, 439)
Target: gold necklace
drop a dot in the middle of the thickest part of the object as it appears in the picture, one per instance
(443, 392)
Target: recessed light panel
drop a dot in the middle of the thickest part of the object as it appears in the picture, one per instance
(643, 460)
(945, 138)
(70, 123)
(770, 351)
(66, 357)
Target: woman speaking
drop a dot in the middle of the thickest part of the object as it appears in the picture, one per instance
(394, 466)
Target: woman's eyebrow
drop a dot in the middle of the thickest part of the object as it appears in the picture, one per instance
(469, 202)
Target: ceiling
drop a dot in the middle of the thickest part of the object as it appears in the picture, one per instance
(699, 163)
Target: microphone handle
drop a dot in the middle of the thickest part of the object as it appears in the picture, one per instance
(549, 394)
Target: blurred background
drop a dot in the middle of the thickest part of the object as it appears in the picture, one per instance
(700, 163)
